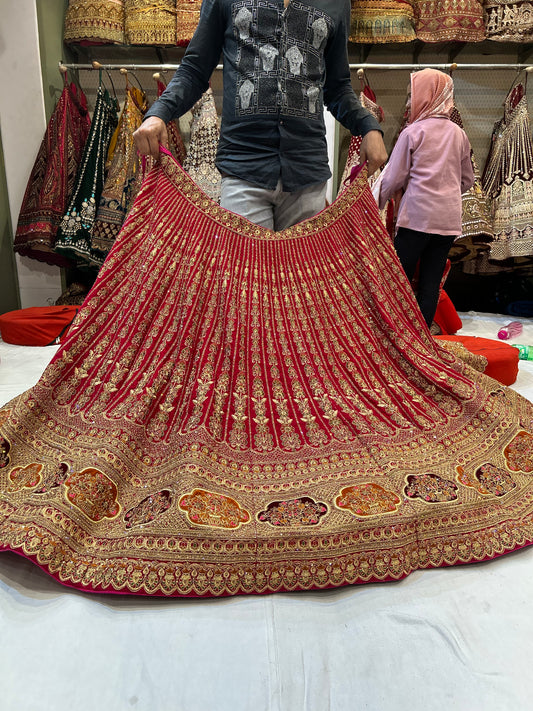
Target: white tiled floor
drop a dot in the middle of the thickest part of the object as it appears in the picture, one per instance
(457, 638)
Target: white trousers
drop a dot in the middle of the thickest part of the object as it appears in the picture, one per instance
(274, 209)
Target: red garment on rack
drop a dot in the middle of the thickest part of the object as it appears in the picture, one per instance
(175, 141)
(52, 178)
(237, 410)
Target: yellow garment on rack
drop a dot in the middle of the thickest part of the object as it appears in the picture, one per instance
(380, 21)
(149, 22)
(94, 22)
(123, 178)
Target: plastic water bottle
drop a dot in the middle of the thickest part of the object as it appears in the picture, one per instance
(524, 352)
(510, 330)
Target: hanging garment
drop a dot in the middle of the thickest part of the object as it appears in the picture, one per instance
(477, 230)
(123, 179)
(368, 100)
(237, 410)
(94, 22)
(175, 141)
(201, 155)
(508, 179)
(52, 178)
(150, 22)
(508, 20)
(187, 16)
(74, 234)
(449, 20)
(379, 21)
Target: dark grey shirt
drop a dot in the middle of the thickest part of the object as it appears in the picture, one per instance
(281, 66)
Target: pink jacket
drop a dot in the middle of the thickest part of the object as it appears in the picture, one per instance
(431, 164)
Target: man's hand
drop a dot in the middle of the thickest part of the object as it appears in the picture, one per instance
(373, 150)
(149, 135)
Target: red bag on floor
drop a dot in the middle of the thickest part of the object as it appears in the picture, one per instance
(37, 325)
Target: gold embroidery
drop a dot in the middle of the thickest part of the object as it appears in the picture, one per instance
(205, 508)
(240, 373)
(367, 500)
(93, 493)
(27, 477)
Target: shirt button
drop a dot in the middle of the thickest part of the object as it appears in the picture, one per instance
(281, 122)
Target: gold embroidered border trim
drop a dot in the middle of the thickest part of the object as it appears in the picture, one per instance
(374, 564)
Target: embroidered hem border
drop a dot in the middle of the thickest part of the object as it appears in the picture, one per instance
(140, 576)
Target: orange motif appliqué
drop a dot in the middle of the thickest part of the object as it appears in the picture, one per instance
(367, 500)
(205, 508)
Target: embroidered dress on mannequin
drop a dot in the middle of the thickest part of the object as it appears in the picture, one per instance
(449, 20)
(237, 410)
(123, 179)
(201, 154)
(508, 179)
(508, 20)
(52, 177)
(187, 16)
(151, 22)
(94, 22)
(75, 230)
(477, 219)
(380, 21)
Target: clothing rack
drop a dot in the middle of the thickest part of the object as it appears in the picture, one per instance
(443, 67)
(118, 67)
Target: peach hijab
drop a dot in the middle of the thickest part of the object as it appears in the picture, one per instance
(431, 94)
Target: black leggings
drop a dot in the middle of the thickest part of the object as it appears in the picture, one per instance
(430, 252)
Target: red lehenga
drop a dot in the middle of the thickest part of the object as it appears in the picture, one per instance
(243, 411)
(52, 177)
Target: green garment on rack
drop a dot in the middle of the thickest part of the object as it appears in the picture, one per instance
(75, 231)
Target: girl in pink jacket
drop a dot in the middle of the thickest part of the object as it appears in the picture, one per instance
(431, 164)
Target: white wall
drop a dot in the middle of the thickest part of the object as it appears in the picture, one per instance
(23, 122)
